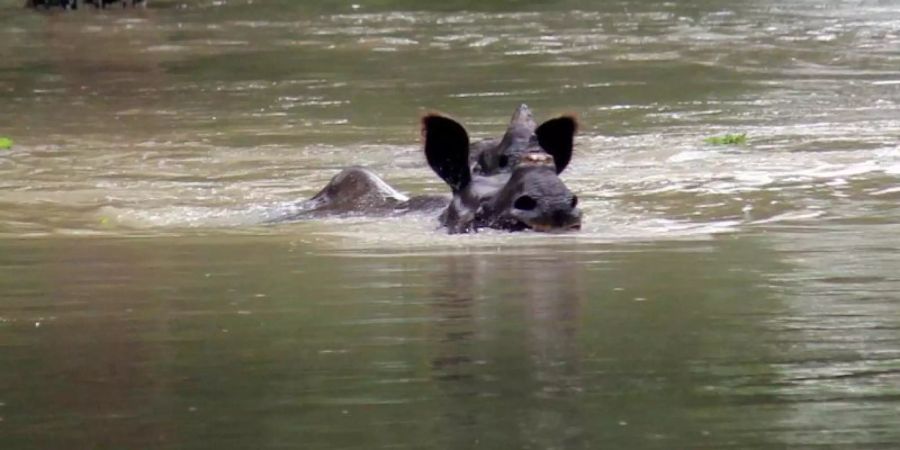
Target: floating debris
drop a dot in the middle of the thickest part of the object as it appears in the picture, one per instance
(728, 139)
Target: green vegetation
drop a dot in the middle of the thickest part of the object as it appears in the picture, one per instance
(5, 143)
(728, 139)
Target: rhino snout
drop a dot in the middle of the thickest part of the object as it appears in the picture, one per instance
(547, 214)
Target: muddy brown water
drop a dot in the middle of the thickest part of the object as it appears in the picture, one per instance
(717, 296)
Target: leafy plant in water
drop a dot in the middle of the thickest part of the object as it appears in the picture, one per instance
(5, 143)
(728, 139)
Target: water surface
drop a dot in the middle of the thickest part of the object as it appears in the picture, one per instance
(717, 297)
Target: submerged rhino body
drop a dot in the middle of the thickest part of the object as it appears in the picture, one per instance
(510, 183)
(359, 191)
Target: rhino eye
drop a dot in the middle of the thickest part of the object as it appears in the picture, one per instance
(504, 161)
(574, 201)
(525, 203)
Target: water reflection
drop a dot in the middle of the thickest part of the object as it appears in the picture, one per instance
(674, 345)
(506, 332)
(76, 349)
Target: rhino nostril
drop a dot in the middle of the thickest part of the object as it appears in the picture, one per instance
(574, 201)
(525, 203)
(504, 161)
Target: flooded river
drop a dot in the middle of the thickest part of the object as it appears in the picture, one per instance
(741, 296)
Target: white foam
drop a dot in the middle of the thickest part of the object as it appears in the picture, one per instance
(691, 155)
(386, 190)
(890, 190)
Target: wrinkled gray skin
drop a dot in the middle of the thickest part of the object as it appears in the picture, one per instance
(523, 193)
(523, 136)
(357, 190)
(531, 196)
(492, 156)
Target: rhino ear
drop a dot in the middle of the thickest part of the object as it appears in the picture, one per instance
(447, 150)
(557, 137)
